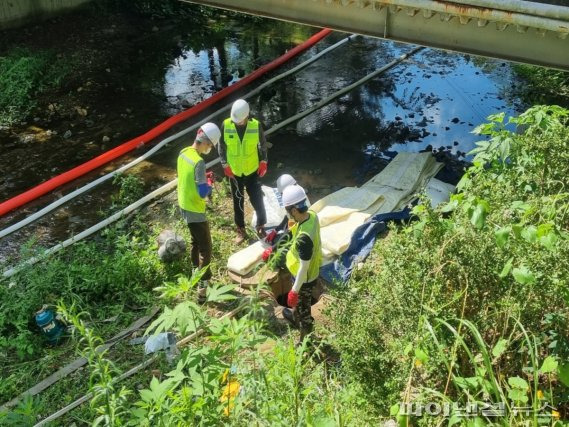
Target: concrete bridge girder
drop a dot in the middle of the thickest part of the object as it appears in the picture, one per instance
(513, 30)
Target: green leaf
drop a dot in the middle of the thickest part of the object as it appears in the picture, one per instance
(500, 347)
(563, 372)
(529, 233)
(518, 395)
(517, 229)
(507, 268)
(394, 409)
(478, 217)
(421, 355)
(520, 206)
(455, 419)
(475, 422)
(523, 275)
(519, 383)
(497, 118)
(505, 148)
(450, 206)
(548, 241)
(544, 229)
(502, 236)
(324, 421)
(549, 365)
(220, 293)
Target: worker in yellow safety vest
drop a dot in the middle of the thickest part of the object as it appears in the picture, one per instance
(194, 185)
(243, 153)
(303, 259)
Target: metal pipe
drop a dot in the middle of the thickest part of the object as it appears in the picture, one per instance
(39, 214)
(453, 8)
(526, 7)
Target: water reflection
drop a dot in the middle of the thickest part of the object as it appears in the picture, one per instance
(435, 98)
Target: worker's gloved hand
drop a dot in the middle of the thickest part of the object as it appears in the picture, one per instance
(210, 178)
(262, 169)
(228, 172)
(267, 253)
(292, 299)
(271, 236)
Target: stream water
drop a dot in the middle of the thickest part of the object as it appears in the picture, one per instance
(432, 101)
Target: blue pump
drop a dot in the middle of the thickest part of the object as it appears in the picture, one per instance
(52, 328)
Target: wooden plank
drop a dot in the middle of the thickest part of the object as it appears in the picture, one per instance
(78, 363)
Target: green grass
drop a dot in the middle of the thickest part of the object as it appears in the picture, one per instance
(24, 76)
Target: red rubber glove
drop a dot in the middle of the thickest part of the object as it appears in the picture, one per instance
(262, 169)
(210, 178)
(271, 236)
(267, 253)
(292, 299)
(228, 172)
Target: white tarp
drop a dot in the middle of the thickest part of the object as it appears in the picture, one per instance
(390, 190)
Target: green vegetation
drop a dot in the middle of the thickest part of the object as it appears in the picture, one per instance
(544, 85)
(25, 74)
(486, 271)
(467, 305)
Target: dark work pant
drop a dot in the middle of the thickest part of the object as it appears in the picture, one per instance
(201, 246)
(304, 309)
(253, 186)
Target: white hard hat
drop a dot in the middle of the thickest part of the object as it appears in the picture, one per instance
(292, 195)
(212, 132)
(284, 181)
(239, 111)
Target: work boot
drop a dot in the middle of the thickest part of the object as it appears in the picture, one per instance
(288, 314)
(241, 235)
(202, 291)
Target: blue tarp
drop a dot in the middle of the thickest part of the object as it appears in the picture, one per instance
(360, 246)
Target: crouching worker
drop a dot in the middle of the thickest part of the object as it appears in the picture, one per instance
(193, 187)
(303, 259)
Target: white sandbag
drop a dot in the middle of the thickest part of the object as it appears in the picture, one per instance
(247, 259)
(273, 207)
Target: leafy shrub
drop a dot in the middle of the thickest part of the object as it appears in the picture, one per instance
(131, 189)
(497, 251)
(544, 85)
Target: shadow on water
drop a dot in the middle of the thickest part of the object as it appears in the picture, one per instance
(432, 101)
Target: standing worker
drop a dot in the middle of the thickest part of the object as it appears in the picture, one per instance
(243, 153)
(194, 185)
(303, 259)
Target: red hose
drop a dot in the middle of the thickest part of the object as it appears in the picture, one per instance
(76, 172)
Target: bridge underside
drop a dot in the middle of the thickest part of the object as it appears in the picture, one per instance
(518, 35)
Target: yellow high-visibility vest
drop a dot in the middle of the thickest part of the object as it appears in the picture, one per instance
(242, 156)
(188, 196)
(311, 227)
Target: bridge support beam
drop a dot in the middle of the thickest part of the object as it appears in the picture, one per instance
(452, 25)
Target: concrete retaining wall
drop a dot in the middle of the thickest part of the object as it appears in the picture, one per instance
(14, 13)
